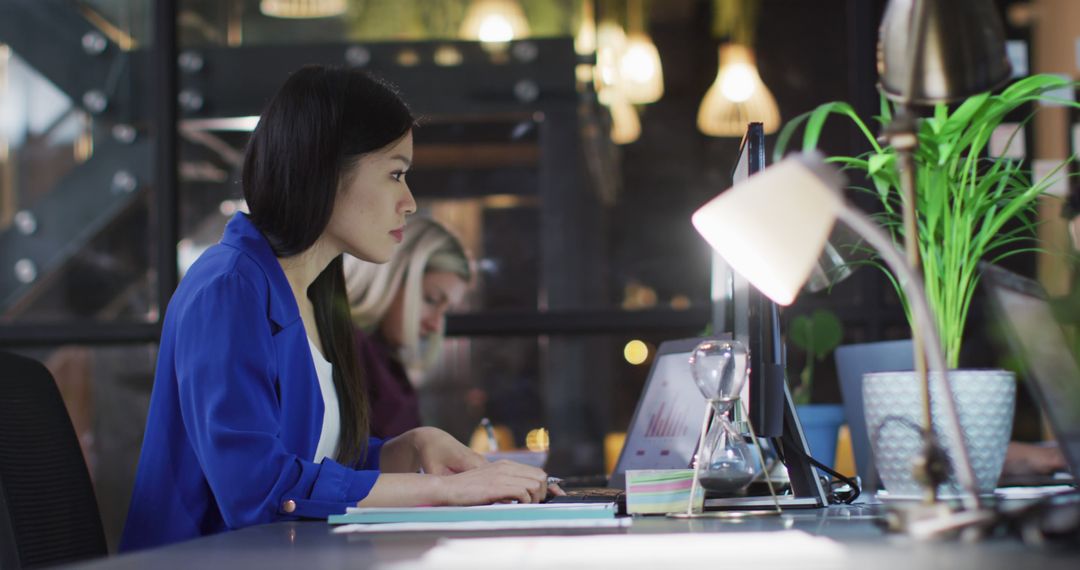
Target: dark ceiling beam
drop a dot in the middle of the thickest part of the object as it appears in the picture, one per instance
(238, 81)
(490, 155)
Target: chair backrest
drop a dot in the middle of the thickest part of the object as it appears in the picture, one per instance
(48, 512)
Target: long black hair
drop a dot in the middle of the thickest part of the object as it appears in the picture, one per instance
(312, 132)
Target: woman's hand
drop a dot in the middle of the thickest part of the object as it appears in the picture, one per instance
(439, 453)
(1029, 458)
(495, 482)
(454, 474)
(500, 481)
(430, 449)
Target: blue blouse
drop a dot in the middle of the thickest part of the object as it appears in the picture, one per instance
(236, 410)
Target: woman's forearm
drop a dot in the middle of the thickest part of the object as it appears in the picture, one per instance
(406, 490)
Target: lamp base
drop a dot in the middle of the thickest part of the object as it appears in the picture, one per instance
(924, 521)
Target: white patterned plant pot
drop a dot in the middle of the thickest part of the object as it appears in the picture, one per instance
(893, 403)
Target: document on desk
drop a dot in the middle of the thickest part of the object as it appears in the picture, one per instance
(1030, 493)
(474, 526)
(751, 550)
(488, 513)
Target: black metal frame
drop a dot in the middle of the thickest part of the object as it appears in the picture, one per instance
(168, 203)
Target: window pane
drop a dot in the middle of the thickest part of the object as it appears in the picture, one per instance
(76, 165)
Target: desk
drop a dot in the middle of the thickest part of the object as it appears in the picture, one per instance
(310, 545)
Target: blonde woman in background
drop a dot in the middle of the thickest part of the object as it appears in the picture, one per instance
(399, 310)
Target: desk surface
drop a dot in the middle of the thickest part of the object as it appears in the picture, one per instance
(310, 545)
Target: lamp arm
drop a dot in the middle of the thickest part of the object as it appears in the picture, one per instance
(879, 240)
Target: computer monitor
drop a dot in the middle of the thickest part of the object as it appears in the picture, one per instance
(751, 317)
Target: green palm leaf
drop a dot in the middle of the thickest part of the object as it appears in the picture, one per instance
(969, 206)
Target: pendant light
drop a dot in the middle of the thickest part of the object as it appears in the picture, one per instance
(585, 38)
(300, 9)
(737, 97)
(641, 75)
(494, 21)
(625, 123)
(610, 45)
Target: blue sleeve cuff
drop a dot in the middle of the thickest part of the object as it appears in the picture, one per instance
(336, 488)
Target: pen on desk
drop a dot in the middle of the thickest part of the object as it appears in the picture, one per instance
(554, 485)
(493, 444)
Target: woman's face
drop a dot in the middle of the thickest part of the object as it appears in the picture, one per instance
(370, 209)
(440, 290)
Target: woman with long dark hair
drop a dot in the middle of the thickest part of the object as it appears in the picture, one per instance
(259, 411)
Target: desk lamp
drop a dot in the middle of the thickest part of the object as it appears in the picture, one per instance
(929, 52)
(772, 227)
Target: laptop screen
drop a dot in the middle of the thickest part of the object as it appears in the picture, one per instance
(667, 421)
(1040, 343)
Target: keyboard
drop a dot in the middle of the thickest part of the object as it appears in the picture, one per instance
(591, 495)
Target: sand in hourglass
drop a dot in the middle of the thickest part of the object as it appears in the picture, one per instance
(725, 481)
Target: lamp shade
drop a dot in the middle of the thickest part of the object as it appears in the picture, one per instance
(772, 227)
(963, 50)
(738, 96)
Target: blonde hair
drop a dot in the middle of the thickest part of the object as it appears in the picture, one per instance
(426, 246)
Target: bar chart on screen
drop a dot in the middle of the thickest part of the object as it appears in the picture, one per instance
(664, 430)
(668, 419)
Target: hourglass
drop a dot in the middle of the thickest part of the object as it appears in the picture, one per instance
(725, 464)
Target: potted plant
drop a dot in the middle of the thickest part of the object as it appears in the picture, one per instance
(817, 334)
(969, 207)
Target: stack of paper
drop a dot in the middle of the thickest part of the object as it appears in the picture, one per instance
(486, 517)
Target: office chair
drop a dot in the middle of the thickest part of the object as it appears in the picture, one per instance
(48, 512)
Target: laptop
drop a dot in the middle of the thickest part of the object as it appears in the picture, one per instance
(1050, 369)
(663, 432)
